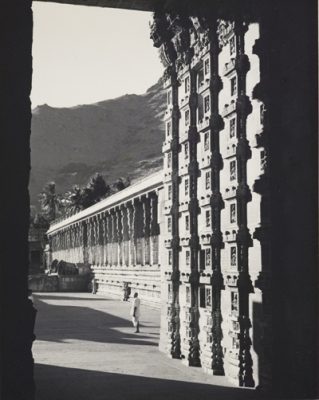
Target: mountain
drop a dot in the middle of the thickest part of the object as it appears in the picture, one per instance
(118, 138)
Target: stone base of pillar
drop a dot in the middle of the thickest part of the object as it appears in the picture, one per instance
(233, 371)
(208, 363)
(190, 353)
(210, 371)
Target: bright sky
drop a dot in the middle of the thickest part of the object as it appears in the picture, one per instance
(84, 54)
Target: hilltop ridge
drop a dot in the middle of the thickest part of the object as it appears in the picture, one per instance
(117, 137)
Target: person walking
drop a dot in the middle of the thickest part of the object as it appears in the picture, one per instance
(135, 312)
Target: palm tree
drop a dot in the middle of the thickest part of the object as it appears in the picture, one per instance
(121, 184)
(80, 198)
(50, 202)
(97, 188)
(74, 200)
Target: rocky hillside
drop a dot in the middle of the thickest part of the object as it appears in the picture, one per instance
(118, 137)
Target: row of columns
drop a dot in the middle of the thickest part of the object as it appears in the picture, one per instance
(125, 235)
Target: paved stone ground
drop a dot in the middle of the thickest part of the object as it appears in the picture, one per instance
(86, 349)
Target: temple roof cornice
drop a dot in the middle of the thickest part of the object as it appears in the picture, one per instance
(140, 188)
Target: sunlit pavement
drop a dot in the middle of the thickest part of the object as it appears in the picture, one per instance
(86, 348)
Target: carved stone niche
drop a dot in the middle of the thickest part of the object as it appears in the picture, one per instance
(206, 239)
(205, 279)
(225, 30)
(185, 241)
(231, 280)
(230, 192)
(230, 236)
(229, 108)
(185, 277)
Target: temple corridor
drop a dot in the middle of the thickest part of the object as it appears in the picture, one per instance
(85, 348)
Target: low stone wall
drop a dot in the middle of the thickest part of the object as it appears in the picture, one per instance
(142, 279)
(55, 283)
(43, 283)
(74, 283)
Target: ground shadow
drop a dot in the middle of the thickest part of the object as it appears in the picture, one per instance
(78, 384)
(58, 322)
(70, 298)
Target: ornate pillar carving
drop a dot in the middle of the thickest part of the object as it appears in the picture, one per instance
(131, 221)
(109, 239)
(84, 238)
(119, 227)
(114, 238)
(262, 233)
(146, 229)
(104, 238)
(138, 224)
(162, 35)
(154, 229)
(193, 345)
(100, 240)
(213, 358)
(243, 196)
(126, 234)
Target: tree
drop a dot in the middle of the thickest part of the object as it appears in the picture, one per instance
(80, 198)
(97, 189)
(121, 184)
(39, 221)
(73, 200)
(50, 202)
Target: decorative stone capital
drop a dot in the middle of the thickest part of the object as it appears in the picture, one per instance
(243, 236)
(244, 283)
(216, 201)
(242, 64)
(243, 105)
(243, 150)
(194, 278)
(243, 192)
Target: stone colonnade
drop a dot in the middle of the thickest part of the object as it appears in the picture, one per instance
(119, 240)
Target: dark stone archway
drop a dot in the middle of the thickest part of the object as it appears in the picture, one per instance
(289, 51)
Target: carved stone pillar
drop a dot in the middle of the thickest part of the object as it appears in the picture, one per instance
(243, 196)
(99, 247)
(212, 353)
(90, 231)
(125, 227)
(162, 34)
(173, 304)
(77, 245)
(262, 233)
(109, 239)
(114, 238)
(138, 225)
(131, 222)
(192, 344)
(95, 240)
(119, 228)
(146, 229)
(71, 249)
(104, 239)
(154, 229)
(84, 239)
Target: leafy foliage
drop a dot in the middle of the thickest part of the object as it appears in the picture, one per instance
(78, 198)
(121, 184)
(51, 203)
